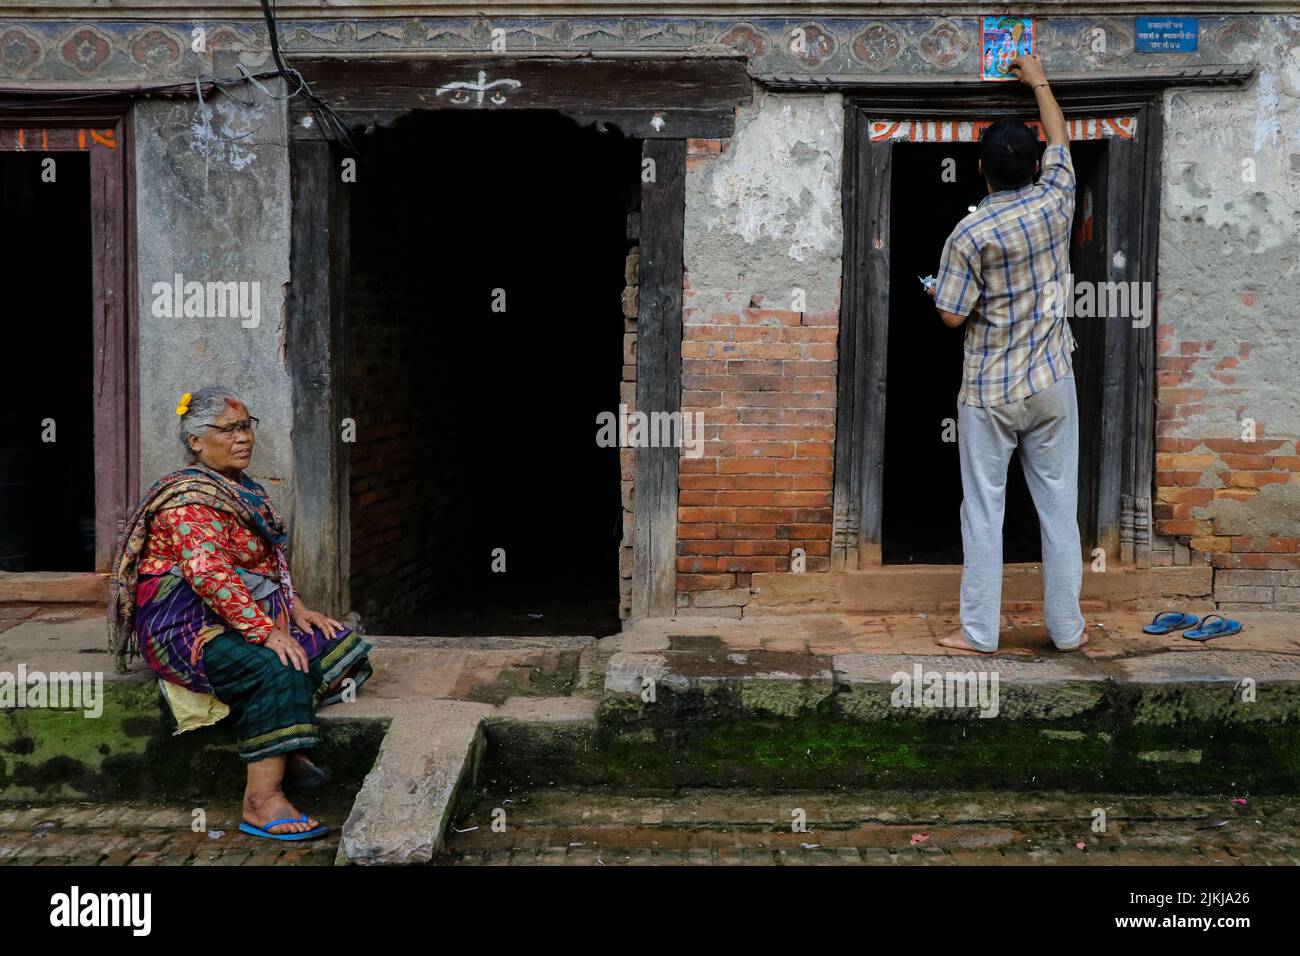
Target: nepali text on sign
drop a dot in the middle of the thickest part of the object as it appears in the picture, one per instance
(1166, 35)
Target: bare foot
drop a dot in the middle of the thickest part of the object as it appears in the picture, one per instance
(261, 808)
(958, 643)
(1083, 639)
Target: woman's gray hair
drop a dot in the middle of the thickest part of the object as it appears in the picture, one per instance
(205, 405)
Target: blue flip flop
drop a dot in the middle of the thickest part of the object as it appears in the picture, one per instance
(1173, 621)
(1222, 627)
(256, 831)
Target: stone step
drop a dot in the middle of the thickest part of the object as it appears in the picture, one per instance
(1188, 722)
(54, 587)
(920, 587)
(431, 754)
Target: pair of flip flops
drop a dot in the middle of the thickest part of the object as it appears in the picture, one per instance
(263, 832)
(1210, 626)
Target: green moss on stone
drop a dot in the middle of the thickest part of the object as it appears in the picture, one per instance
(130, 751)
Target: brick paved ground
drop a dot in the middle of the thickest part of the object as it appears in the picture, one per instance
(143, 835)
(719, 828)
(715, 828)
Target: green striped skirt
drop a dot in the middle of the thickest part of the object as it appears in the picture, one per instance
(277, 703)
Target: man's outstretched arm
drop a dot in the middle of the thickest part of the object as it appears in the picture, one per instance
(1031, 73)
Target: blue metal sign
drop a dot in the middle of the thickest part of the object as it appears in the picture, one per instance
(1166, 34)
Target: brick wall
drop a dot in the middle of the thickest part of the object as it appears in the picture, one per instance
(1224, 487)
(400, 481)
(764, 378)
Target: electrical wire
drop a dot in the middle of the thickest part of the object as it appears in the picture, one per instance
(331, 126)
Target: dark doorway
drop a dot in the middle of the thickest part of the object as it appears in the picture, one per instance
(47, 467)
(476, 428)
(920, 522)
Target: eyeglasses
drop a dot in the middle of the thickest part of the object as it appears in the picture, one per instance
(228, 431)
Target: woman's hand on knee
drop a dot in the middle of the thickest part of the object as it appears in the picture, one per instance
(285, 647)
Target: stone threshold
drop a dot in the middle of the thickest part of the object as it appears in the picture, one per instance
(921, 587)
(54, 587)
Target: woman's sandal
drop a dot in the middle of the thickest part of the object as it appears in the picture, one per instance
(1172, 621)
(254, 830)
(1222, 627)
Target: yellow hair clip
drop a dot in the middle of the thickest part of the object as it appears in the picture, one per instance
(183, 405)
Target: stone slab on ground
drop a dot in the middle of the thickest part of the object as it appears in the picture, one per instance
(405, 804)
(868, 685)
(1222, 666)
(52, 643)
(773, 682)
(1113, 634)
(928, 587)
(54, 587)
(853, 669)
(546, 710)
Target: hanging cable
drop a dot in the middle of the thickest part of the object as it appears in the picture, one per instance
(331, 125)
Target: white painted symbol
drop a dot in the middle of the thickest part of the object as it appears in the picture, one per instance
(460, 92)
(657, 122)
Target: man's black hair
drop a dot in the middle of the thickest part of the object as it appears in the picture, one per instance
(1009, 150)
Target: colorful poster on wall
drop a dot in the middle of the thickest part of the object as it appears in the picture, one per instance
(1002, 40)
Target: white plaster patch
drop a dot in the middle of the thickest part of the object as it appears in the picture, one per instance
(1268, 126)
(223, 130)
(780, 179)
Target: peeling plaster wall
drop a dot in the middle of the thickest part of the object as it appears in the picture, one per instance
(213, 205)
(763, 246)
(764, 217)
(1229, 351)
(1230, 249)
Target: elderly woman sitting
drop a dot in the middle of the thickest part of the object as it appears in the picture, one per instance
(201, 590)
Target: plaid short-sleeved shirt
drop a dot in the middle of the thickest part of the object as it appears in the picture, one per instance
(996, 268)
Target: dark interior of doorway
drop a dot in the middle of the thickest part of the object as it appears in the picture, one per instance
(922, 495)
(475, 428)
(47, 473)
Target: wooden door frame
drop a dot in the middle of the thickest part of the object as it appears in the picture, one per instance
(660, 99)
(47, 122)
(1127, 426)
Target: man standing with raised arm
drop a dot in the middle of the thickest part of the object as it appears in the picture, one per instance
(1001, 270)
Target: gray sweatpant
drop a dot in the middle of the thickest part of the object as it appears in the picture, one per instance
(1046, 427)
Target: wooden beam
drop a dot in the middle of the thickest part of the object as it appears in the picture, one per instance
(1123, 168)
(116, 385)
(316, 308)
(864, 340)
(659, 376)
(1140, 464)
(648, 97)
(288, 11)
(1099, 83)
(845, 510)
